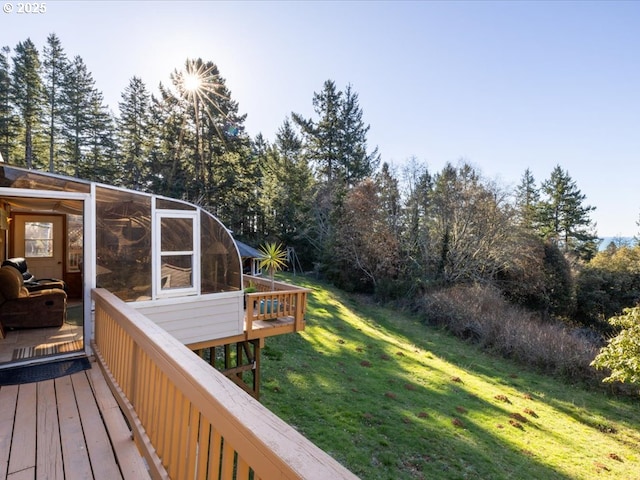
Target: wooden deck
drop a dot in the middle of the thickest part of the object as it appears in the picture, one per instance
(67, 428)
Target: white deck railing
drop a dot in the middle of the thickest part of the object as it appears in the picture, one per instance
(189, 420)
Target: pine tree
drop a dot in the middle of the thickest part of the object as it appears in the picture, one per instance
(564, 219)
(55, 70)
(100, 161)
(8, 120)
(335, 146)
(168, 152)
(527, 201)
(285, 182)
(323, 143)
(133, 133)
(86, 124)
(355, 161)
(416, 220)
(202, 152)
(26, 90)
(390, 197)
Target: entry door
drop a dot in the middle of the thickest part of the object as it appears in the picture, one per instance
(40, 239)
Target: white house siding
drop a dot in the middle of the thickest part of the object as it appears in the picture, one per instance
(198, 318)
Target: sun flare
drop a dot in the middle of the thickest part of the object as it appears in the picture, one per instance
(191, 82)
(199, 83)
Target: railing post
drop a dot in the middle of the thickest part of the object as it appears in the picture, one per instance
(301, 301)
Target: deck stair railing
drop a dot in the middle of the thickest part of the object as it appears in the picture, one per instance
(189, 420)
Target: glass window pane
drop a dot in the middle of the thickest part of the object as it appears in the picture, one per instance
(38, 239)
(176, 235)
(176, 272)
(220, 268)
(166, 204)
(75, 239)
(123, 241)
(14, 178)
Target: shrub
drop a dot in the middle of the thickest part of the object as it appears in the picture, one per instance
(607, 285)
(480, 313)
(539, 277)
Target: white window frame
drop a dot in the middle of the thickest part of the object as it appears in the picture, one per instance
(158, 254)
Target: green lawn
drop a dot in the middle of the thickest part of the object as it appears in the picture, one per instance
(392, 399)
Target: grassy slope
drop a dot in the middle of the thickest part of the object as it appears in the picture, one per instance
(392, 399)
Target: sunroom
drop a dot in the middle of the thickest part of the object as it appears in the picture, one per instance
(170, 260)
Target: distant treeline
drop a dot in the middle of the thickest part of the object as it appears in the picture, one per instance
(317, 187)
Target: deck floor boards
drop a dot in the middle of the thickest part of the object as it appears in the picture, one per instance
(67, 428)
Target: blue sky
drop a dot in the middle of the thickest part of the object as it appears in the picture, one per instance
(504, 85)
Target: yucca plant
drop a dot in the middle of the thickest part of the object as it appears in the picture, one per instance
(274, 258)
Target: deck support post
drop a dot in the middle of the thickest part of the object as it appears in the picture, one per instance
(237, 362)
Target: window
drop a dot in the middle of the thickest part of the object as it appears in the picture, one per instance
(38, 239)
(179, 269)
(123, 243)
(75, 242)
(221, 270)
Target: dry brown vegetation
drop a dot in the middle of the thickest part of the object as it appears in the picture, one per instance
(481, 314)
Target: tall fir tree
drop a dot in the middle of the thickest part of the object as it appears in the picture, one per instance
(564, 218)
(335, 145)
(100, 162)
(133, 134)
(527, 201)
(26, 94)
(285, 186)
(416, 220)
(8, 121)
(55, 70)
(203, 153)
(323, 144)
(85, 124)
(168, 152)
(390, 200)
(356, 162)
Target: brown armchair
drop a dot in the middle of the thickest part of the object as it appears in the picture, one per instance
(32, 283)
(20, 308)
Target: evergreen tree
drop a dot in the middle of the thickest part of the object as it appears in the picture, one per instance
(335, 146)
(167, 152)
(416, 221)
(286, 183)
(564, 219)
(133, 134)
(8, 120)
(202, 153)
(323, 143)
(100, 162)
(86, 125)
(390, 198)
(26, 93)
(621, 356)
(55, 70)
(355, 162)
(527, 201)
